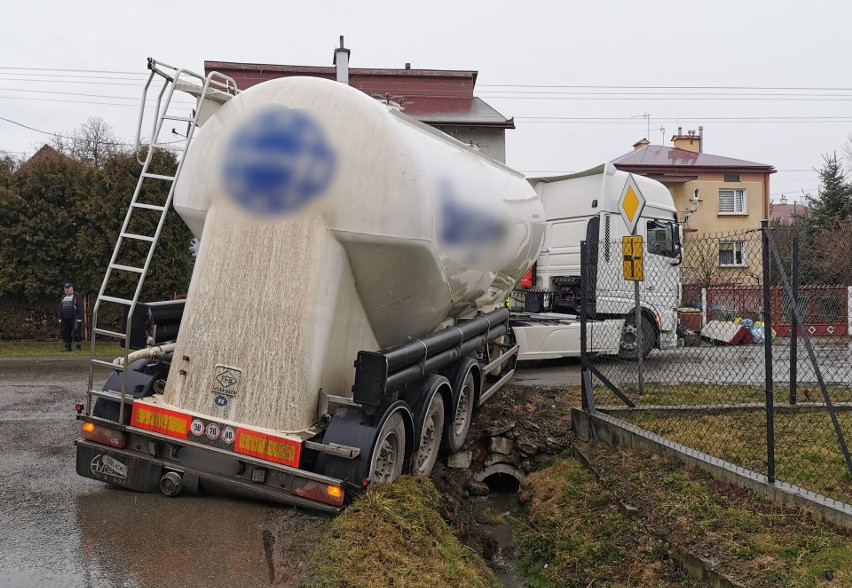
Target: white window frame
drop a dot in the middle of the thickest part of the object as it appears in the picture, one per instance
(741, 245)
(735, 195)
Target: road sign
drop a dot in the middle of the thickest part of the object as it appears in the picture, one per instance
(632, 255)
(631, 203)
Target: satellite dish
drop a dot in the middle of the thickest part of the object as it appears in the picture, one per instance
(693, 204)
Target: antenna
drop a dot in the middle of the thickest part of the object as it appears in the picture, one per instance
(647, 118)
(663, 133)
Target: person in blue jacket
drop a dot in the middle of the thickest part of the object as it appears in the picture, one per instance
(71, 316)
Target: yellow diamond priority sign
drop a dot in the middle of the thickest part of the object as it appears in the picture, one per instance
(631, 203)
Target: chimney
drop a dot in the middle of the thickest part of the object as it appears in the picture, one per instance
(701, 139)
(407, 66)
(783, 199)
(640, 144)
(688, 142)
(341, 60)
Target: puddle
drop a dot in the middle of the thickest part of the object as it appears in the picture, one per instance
(494, 511)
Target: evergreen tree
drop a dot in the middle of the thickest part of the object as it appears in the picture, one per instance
(38, 226)
(171, 265)
(825, 249)
(833, 205)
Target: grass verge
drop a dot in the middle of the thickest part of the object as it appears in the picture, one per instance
(571, 533)
(572, 530)
(55, 349)
(395, 536)
(807, 452)
(709, 394)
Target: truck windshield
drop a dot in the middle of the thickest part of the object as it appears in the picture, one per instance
(663, 239)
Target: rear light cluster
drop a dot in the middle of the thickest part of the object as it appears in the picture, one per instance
(327, 493)
(104, 435)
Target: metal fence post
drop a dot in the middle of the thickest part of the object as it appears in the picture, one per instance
(794, 326)
(767, 349)
(640, 343)
(585, 374)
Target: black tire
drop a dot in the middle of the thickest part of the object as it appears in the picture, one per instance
(424, 460)
(387, 458)
(455, 432)
(629, 338)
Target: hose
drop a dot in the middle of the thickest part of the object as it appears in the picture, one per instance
(156, 352)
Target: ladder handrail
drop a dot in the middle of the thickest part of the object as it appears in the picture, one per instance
(161, 112)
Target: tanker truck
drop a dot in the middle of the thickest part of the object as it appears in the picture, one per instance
(346, 310)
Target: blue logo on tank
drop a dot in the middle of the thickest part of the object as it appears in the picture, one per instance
(278, 161)
(221, 401)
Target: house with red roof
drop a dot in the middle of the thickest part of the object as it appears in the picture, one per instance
(727, 194)
(441, 98)
(718, 199)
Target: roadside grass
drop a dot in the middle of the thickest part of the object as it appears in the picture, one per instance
(395, 536)
(571, 531)
(55, 349)
(708, 394)
(807, 451)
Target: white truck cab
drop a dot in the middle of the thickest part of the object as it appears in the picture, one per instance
(586, 206)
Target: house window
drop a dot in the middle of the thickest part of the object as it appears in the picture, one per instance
(732, 254)
(732, 202)
(732, 177)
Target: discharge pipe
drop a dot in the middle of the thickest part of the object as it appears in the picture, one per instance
(155, 352)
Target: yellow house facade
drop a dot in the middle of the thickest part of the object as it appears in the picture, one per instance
(719, 200)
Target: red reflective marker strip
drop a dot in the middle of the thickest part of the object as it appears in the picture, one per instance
(269, 447)
(160, 420)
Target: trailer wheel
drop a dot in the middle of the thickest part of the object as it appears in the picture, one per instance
(630, 338)
(456, 432)
(388, 456)
(430, 438)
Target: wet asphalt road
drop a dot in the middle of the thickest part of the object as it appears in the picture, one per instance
(59, 529)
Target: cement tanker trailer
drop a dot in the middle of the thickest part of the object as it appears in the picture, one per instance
(346, 310)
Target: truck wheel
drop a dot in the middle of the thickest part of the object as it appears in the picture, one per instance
(456, 432)
(430, 438)
(630, 338)
(388, 455)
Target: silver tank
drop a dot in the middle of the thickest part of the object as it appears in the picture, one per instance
(329, 224)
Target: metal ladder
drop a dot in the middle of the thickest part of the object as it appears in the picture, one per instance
(211, 92)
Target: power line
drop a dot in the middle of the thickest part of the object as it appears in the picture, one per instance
(617, 87)
(31, 98)
(134, 98)
(72, 82)
(59, 136)
(717, 120)
(74, 70)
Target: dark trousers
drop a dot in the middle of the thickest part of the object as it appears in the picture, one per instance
(70, 327)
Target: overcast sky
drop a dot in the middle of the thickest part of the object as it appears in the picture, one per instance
(768, 80)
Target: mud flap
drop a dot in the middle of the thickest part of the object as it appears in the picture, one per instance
(117, 467)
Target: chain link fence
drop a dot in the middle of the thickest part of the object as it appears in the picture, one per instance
(741, 350)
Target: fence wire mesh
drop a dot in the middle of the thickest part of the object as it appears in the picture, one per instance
(718, 360)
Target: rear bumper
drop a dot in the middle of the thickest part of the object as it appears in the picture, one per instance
(138, 470)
